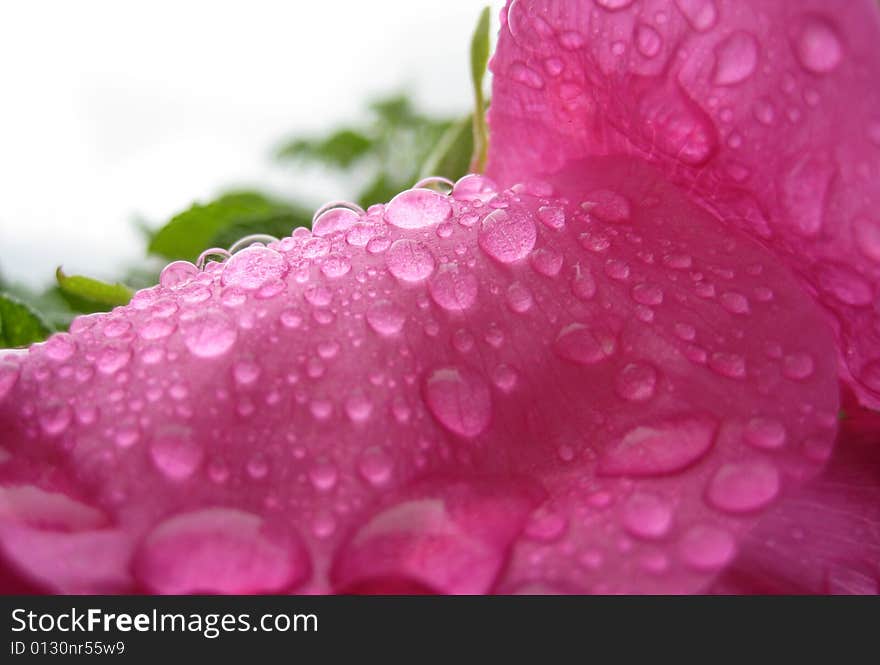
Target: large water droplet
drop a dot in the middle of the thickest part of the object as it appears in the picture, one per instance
(386, 317)
(817, 46)
(453, 288)
(584, 346)
(736, 58)
(743, 487)
(175, 453)
(507, 235)
(459, 399)
(409, 260)
(707, 547)
(474, 187)
(765, 433)
(647, 516)
(209, 334)
(417, 208)
(653, 450)
(607, 205)
(375, 466)
(336, 216)
(219, 551)
(701, 14)
(177, 273)
(252, 267)
(637, 382)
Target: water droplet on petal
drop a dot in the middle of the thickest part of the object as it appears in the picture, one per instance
(252, 267)
(765, 433)
(546, 261)
(584, 346)
(375, 466)
(798, 366)
(867, 233)
(817, 46)
(519, 298)
(507, 235)
(647, 516)
(474, 187)
(647, 294)
(335, 217)
(177, 274)
(736, 58)
(175, 453)
(386, 318)
(459, 399)
(636, 382)
(583, 286)
(417, 208)
(653, 450)
(552, 217)
(743, 487)
(648, 40)
(453, 288)
(219, 551)
(60, 347)
(409, 260)
(701, 14)
(707, 548)
(731, 365)
(55, 418)
(209, 335)
(607, 205)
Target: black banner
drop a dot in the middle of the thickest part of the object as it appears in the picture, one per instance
(578, 629)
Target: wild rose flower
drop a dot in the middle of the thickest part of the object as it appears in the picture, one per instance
(611, 364)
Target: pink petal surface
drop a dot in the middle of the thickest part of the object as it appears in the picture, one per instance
(765, 111)
(587, 384)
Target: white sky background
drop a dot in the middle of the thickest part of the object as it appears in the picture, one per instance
(113, 109)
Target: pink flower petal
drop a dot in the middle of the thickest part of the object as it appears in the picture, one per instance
(765, 111)
(446, 415)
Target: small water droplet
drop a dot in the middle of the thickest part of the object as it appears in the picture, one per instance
(798, 366)
(647, 294)
(583, 285)
(519, 298)
(323, 476)
(524, 74)
(648, 40)
(546, 261)
(731, 365)
(553, 217)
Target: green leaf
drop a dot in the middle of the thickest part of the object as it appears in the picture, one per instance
(88, 295)
(451, 157)
(479, 61)
(340, 149)
(19, 324)
(279, 226)
(192, 231)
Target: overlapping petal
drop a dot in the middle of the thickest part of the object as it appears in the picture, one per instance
(765, 111)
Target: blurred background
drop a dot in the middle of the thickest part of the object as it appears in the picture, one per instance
(118, 116)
